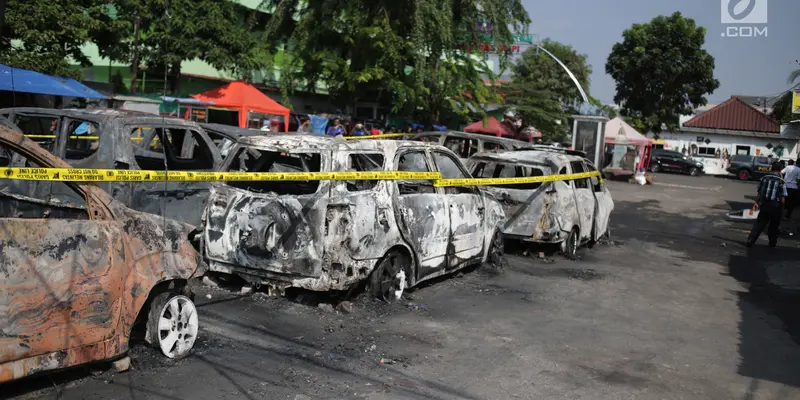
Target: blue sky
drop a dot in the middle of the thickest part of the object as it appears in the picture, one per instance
(744, 66)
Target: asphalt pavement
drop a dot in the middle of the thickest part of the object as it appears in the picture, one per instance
(674, 307)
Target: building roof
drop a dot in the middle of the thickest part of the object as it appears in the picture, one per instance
(734, 114)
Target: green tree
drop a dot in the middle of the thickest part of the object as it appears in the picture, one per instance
(662, 71)
(539, 67)
(409, 54)
(538, 107)
(46, 35)
(160, 34)
(782, 109)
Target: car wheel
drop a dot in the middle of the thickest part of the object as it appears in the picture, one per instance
(655, 168)
(172, 325)
(571, 245)
(388, 280)
(744, 175)
(693, 171)
(496, 258)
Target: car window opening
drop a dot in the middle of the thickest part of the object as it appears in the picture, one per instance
(413, 162)
(82, 140)
(183, 150)
(364, 163)
(254, 160)
(501, 170)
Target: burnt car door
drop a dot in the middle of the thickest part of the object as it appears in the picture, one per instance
(603, 202)
(466, 208)
(422, 213)
(358, 223)
(61, 274)
(584, 199)
(269, 228)
(173, 148)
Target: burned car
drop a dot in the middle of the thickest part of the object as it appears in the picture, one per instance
(332, 235)
(77, 272)
(467, 144)
(225, 136)
(567, 212)
(116, 139)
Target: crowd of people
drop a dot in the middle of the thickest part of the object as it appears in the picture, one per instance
(777, 192)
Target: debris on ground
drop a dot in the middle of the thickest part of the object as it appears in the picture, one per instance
(326, 307)
(345, 307)
(246, 290)
(387, 361)
(210, 282)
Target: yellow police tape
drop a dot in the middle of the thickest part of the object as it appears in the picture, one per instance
(114, 175)
(513, 181)
(383, 136)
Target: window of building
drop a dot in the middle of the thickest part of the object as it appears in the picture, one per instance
(706, 152)
(364, 163)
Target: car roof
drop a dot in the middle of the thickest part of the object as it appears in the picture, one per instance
(322, 142)
(467, 135)
(534, 156)
(99, 115)
(231, 131)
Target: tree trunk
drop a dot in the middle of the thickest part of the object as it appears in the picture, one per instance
(135, 65)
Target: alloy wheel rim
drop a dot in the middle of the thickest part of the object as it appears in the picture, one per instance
(177, 327)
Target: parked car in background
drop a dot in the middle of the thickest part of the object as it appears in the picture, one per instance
(465, 145)
(79, 270)
(674, 161)
(747, 167)
(225, 136)
(570, 213)
(116, 139)
(333, 235)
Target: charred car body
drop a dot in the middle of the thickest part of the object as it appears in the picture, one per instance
(332, 235)
(114, 139)
(570, 213)
(225, 136)
(465, 145)
(76, 271)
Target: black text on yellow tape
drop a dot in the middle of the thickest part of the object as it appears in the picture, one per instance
(112, 175)
(513, 181)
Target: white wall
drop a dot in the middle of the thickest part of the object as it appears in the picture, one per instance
(714, 165)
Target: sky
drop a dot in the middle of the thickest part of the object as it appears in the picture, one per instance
(754, 66)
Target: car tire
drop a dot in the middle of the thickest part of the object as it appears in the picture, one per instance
(571, 245)
(743, 175)
(496, 258)
(655, 168)
(172, 325)
(389, 280)
(693, 171)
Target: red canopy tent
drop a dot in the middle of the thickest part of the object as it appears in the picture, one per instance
(244, 98)
(492, 127)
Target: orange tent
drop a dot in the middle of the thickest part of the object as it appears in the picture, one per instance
(244, 97)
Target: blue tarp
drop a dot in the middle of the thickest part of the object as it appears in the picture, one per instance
(22, 80)
(318, 124)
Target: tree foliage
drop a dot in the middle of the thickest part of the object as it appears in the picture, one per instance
(538, 66)
(543, 93)
(46, 35)
(782, 109)
(662, 70)
(172, 31)
(408, 53)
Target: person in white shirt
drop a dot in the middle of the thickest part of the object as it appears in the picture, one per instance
(791, 175)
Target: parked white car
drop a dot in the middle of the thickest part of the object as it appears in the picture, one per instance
(572, 213)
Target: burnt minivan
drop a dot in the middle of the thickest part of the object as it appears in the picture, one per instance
(334, 235)
(117, 139)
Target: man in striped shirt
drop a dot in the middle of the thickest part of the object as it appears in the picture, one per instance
(771, 199)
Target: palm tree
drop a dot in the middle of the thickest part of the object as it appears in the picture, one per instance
(782, 109)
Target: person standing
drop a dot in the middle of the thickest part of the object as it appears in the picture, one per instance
(791, 174)
(771, 199)
(358, 130)
(305, 126)
(337, 128)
